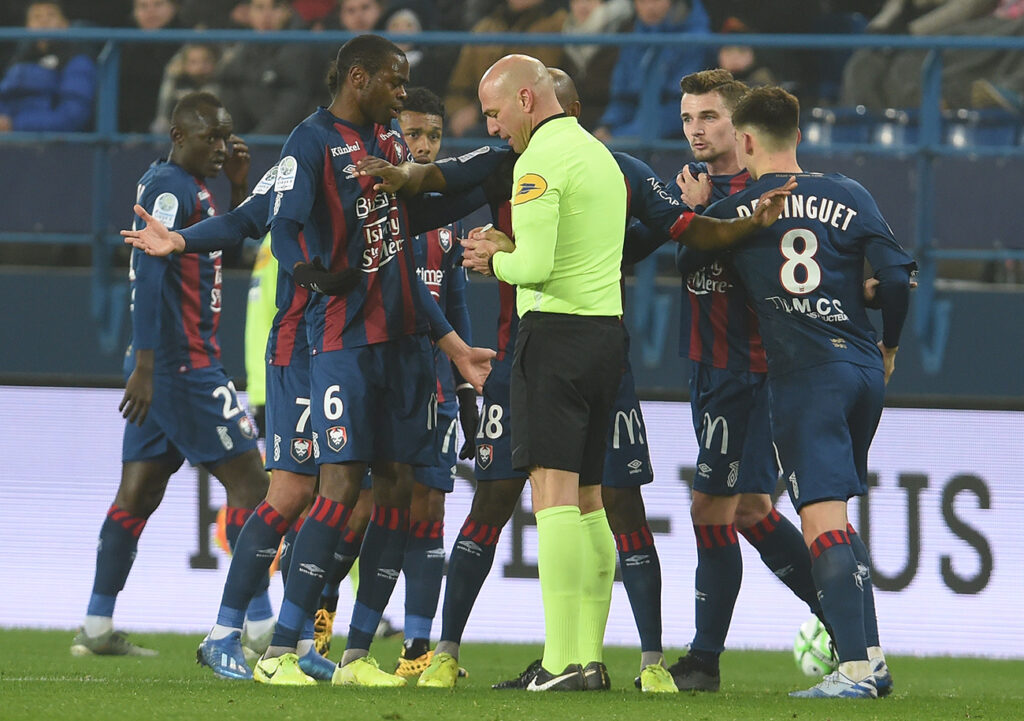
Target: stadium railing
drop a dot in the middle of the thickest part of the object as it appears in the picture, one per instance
(922, 133)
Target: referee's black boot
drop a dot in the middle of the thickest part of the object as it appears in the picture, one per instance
(571, 679)
(596, 676)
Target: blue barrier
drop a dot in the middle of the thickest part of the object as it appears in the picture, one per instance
(931, 315)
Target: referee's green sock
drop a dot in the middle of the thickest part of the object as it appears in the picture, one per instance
(560, 540)
(596, 586)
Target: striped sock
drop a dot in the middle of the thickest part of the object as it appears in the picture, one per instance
(382, 554)
(641, 577)
(470, 562)
(717, 584)
(782, 548)
(255, 548)
(115, 553)
(424, 568)
(312, 553)
(839, 585)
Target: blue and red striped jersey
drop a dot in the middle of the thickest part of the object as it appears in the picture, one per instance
(717, 324)
(176, 300)
(350, 226)
(439, 266)
(805, 273)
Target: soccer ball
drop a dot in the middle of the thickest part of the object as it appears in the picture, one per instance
(811, 649)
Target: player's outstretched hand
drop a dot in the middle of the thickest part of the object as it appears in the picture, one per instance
(475, 365)
(888, 360)
(236, 167)
(315, 277)
(771, 204)
(695, 191)
(469, 418)
(138, 395)
(392, 177)
(153, 238)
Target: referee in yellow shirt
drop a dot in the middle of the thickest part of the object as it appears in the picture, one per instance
(568, 218)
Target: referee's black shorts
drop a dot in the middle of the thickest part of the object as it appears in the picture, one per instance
(565, 374)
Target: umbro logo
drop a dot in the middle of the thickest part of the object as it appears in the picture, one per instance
(435, 553)
(311, 569)
(634, 466)
(784, 571)
(705, 469)
(390, 574)
(638, 559)
(266, 552)
(469, 547)
(700, 595)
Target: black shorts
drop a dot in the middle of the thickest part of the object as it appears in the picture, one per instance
(565, 374)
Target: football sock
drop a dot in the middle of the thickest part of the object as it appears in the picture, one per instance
(259, 608)
(382, 554)
(287, 544)
(345, 556)
(255, 547)
(559, 564)
(312, 553)
(782, 548)
(470, 562)
(305, 643)
(598, 571)
(838, 580)
(641, 576)
(860, 552)
(717, 582)
(424, 568)
(115, 553)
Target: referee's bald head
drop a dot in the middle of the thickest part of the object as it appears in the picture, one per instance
(517, 94)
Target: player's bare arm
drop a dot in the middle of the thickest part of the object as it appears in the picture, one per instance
(480, 245)
(236, 170)
(410, 178)
(138, 391)
(696, 191)
(703, 233)
(888, 359)
(153, 238)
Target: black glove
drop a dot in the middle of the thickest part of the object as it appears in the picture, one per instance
(469, 419)
(315, 277)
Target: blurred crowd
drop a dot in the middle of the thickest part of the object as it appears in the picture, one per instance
(51, 84)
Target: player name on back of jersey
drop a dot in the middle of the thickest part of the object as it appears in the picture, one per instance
(812, 207)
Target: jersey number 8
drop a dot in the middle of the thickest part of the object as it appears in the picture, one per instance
(802, 259)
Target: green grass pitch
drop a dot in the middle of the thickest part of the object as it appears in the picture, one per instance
(39, 679)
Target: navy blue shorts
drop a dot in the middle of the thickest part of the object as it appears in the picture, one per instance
(823, 420)
(627, 462)
(494, 434)
(194, 415)
(442, 475)
(375, 402)
(289, 429)
(734, 435)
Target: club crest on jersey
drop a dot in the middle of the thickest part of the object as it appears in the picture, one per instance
(529, 187)
(484, 455)
(301, 449)
(246, 427)
(337, 438)
(444, 239)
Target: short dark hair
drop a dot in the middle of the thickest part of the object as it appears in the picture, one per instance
(771, 110)
(370, 52)
(718, 81)
(422, 100)
(189, 107)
